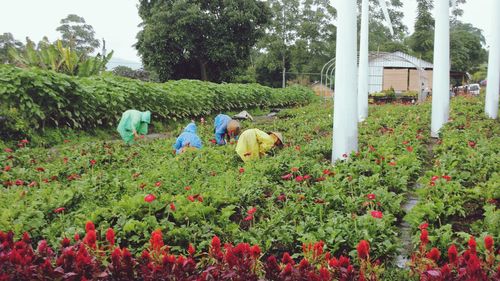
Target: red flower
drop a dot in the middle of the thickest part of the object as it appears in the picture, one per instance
(6, 168)
(199, 198)
(40, 169)
(241, 170)
(320, 179)
(281, 197)
(297, 147)
(472, 244)
(110, 236)
(299, 179)
(409, 148)
(434, 254)
(24, 141)
(156, 240)
(158, 184)
(90, 239)
(59, 210)
(406, 142)
(89, 225)
(32, 184)
(76, 237)
(287, 259)
(392, 163)
(344, 155)
(488, 243)
(363, 249)
(213, 141)
(295, 169)
(446, 177)
(434, 178)
(376, 214)
(255, 251)
(252, 211)
(424, 225)
(19, 182)
(306, 177)
(191, 249)
(187, 188)
(248, 218)
(172, 206)
(424, 236)
(287, 176)
(190, 198)
(326, 172)
(92, 162)
(452, 254)
(472, 144)
(371, 196)
(149, 198)
(8, 150)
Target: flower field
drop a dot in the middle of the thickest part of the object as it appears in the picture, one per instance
(307, 219)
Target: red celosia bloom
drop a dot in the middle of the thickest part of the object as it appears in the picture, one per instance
(59, 210)
(32, 184)
(248, 218)
(40, 169)
(472, 144)
(116, 256)
(19, 182)
(376, 214)
(92, 162)
(287, 259)
(472, 244)
(320, 179)
(326, 172)
(434, 178)
(324, 274)
(6, 168)
(213, 141)
(76, 237)
(65, 242)
(303, 264)
(452, 254)
(172, 206)
(295, 169)
(363, 249)
(488, 243)
(409, 148)
(297, 147)
(371, 196)
(149, 198)
(241, 170)
(110, 236)
(191, 249)
(446, 177)
(287, 176)
(255, 251)
(424, 236)
(199, 198)
(306, 177)
(89, 226)
(424, 225)
(252, 211)
(299, 178)
(156, 240)
(26, 237)
(8, 150)
(24, 141)
(190, 198)
(187, 188)
(281, 197)
(434, 254)
(90, 239)
(392, 163)
(158, 184)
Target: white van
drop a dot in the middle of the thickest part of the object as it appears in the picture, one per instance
(474, 89)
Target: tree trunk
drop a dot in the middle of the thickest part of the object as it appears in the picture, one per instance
(203, 70)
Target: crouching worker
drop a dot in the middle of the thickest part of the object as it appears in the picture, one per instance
(225, 127)
(133, 124)
(254, 143)
(188, 140)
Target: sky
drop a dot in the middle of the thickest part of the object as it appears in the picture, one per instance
(117, 20)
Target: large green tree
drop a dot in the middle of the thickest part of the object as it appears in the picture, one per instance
(7, 42)
(199, 39)
(422, 39)
(78, 35)
(380, 36)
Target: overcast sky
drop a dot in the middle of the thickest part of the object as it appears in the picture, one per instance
(117, 20)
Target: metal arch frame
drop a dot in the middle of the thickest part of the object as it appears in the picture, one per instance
(328, 65)
(421, 70)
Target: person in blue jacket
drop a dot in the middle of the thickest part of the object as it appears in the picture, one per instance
(187, 140)
(225, 127)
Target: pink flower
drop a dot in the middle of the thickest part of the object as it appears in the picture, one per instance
(287, 176)
(344, 155)
(149, 198)
(376, 214)
(248, 218)
(241, 170)
(446, 177)
(158, 184)
(306, 177)
(472, 144)
(252, 211)
(299, 179)
(434, 178)
(213, 141)
(8, 150)
(19, 182)
(92, 162)
(371, 196)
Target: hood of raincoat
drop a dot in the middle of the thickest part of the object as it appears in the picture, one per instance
(146, 116)
(191, 128)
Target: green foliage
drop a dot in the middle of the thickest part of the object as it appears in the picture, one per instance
(7, 42)
(78, 35)
(47, 99)
(128, 72)
(198, 39)
(58, 58)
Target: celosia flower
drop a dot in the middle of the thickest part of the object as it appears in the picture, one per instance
(287, 259)
(371, 196)
(306, 177)
(434, 178)
(19, 182)
(191, 249)
(452, 254)
(434, 254)
(6, 168)
(295, 169)
(488, 243)
(190, 198)
(472, 244)
(252, 211)
(248, 218)
(158, 184)
(376, 214)
(32, 184)
(241, 170)
(424, 225)
(65, 242)
(59, 210)
(8, 150)
(424, 236)
(326, 172)
(156, 240)
(149, 198)
(472, 144)
(92, 162)
(76, 237)
(303, 264)
(89, 226)
(287, 176)
(255, 251)
(172, 206)
(90, 239)
(110, 236)
(363, 249)
(299, 178)
(409, 148)
(446, 177)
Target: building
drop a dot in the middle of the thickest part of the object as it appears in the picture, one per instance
(399, 71)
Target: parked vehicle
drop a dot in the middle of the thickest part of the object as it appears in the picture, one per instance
(474, 89)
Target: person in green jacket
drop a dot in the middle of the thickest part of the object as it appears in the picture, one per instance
(132, 124)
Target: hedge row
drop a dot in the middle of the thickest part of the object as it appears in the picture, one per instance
(44, 98)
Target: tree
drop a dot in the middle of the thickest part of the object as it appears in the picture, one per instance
(128, 72)
(380, 36)
(467, 47)
(422, 39)
(78, 35)
(7, 42)
(199, 39)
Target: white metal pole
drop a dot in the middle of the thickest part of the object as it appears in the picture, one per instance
(441, 75)
(363, 64)
(493, 88)
(345, 115)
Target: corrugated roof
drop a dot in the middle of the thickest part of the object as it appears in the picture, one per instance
(397, 59)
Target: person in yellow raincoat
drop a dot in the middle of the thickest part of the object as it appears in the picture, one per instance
(254, 143)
